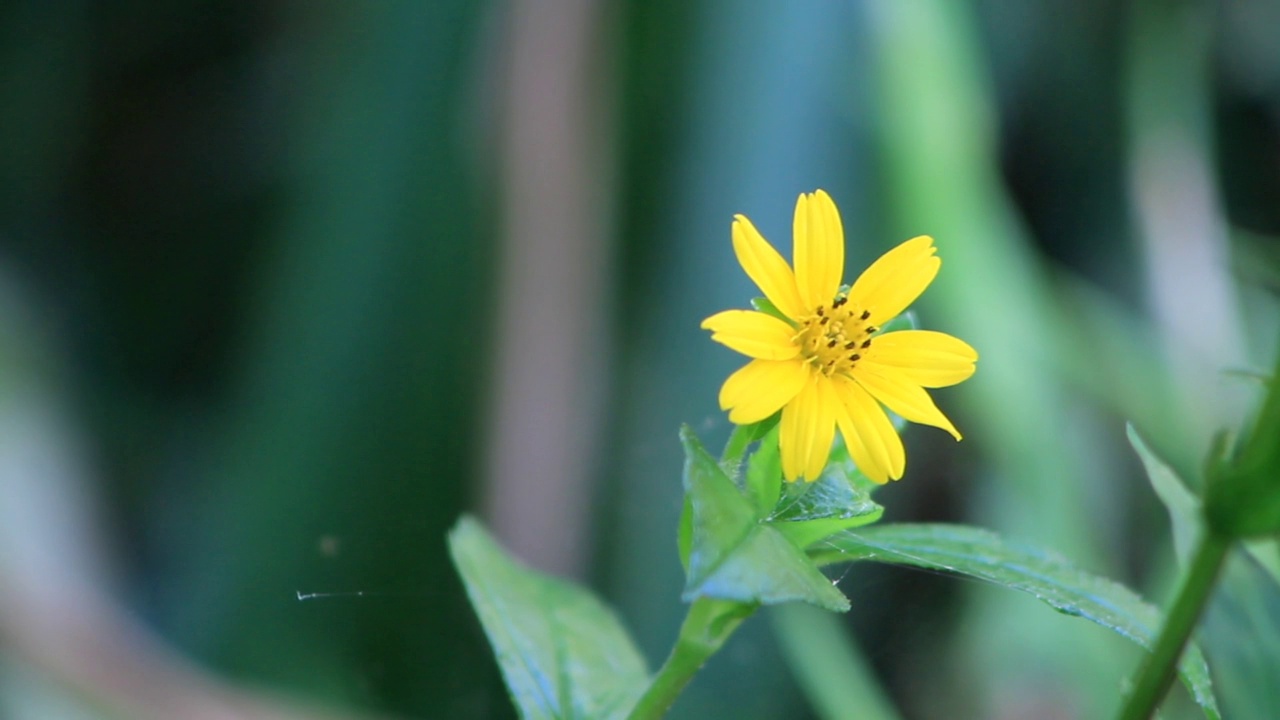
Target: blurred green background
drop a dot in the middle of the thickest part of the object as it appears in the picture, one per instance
(286, 287)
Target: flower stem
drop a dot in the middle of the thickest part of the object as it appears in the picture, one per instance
(706, 627)
(1161, 665)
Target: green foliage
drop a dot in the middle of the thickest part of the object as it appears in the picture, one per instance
(763, 479)
(1183, 505)
(1241, 626)
(735, 556)
(981, 554)
(1241, 635)
(836, 678)
(1243, 495)
(744, 541)
(562, 652)
(838, 500)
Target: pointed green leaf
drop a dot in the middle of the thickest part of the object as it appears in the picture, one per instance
(733, 556)
(1182, 504)
(562, 652)
(981, 554)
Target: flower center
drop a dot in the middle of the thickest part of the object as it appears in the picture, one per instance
(835, 336)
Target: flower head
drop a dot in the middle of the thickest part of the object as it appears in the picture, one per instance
(824, 363)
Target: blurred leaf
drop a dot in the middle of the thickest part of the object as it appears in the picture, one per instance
(1241, 634)
(733, 556)
(1185, 511)
(1242, 496)
(981, 554)
(837, 679)
(1241, 630)
(562, 652)
(939, 129)
(1182, 504)
(1267, 553)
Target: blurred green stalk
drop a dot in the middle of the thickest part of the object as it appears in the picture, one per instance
(1162, 664)
(828, 665)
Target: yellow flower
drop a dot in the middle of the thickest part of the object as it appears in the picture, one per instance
(827, 365)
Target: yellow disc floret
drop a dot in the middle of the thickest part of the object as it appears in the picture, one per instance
(834, 337)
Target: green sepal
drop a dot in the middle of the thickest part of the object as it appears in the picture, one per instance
(734, 556)
(764, 305)
(563, 653)
(905, 321)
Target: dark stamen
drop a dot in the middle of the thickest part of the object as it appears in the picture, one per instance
(865, 343)
(866, 314)
(824, 320)
(855, 357)
(819, 309)
(851, 345)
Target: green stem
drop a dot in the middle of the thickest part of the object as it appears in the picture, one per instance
(1161, 665)
(706, 627)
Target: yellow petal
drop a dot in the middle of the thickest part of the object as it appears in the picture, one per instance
(903, 397)
(858, 450)
(760, 388)
(895, 280)
(766, 268)
(867, 431)
(819, 249)
(753, 334)
(805, 432)
(927, 358)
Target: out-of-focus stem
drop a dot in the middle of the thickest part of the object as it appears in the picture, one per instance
(1162, 664)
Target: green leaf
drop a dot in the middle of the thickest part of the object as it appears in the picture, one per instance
(733, 556)
(562, 652)
(764, 475)
(1241, 635)
(1241, 626)
(981, 554)
(1242, 496)
(684, 533)
(838, 500)
(1182, 504)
